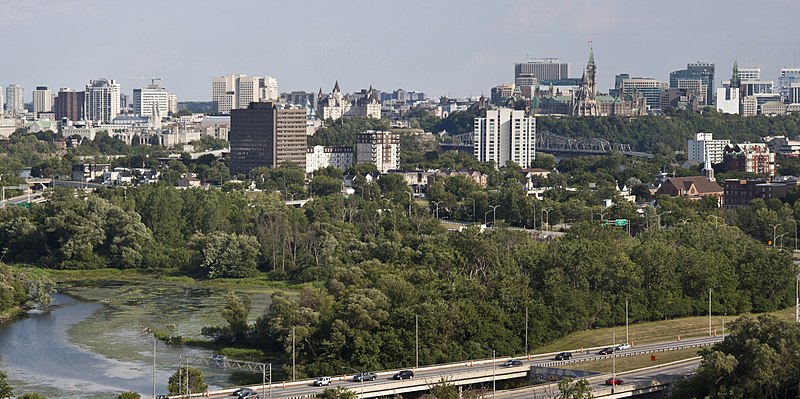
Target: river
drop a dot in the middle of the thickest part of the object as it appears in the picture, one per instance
(91, 349)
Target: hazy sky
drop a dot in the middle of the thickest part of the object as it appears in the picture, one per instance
(453, 47)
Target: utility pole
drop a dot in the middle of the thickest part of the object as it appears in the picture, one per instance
(526, 331)
(613, 362)
(154, 366)
(294, 376)
(627, 337)
(416, 335)
(709, 312)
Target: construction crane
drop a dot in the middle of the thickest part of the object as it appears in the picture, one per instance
(152, 79)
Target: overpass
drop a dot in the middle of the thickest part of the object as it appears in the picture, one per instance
(459, 374)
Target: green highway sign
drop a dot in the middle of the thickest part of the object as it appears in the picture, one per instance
(621, 222)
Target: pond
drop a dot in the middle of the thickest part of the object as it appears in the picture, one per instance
(92, 343)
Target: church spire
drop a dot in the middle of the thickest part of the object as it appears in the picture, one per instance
(336, 88)
(735, 78)
(591, 56)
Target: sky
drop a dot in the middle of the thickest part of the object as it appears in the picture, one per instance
(445, 47)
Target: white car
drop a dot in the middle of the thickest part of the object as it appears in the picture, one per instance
(322, 381)
(622, 347)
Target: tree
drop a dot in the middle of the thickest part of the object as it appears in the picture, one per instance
(757, 360)
(338, 393)
(325, 185)
(571, 389)
(129, 395)
(5, 388)
(31, 396)
(196, 381)
(444, 390)
(235, 313)
(222, 254)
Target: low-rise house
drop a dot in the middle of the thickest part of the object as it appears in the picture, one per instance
(694, 187)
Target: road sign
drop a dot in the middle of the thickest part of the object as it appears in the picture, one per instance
(621, 222)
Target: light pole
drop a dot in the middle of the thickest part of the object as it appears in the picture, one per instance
(494, 213)
(774, 234)
(473, 207)
(546, 211)
(293, 357)
(684, 221)
(494, 381)
(716, 220)
(797, 299)
(410, 200)
(437, 207)
(627, 336)
(780, 237)
(709, 309)
(613, 361)
(361, 379)
(795, 233)
(659, 218)
(416, 338)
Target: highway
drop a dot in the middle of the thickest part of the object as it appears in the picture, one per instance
(642, 379)
(462, 373)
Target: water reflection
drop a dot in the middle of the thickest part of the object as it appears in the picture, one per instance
(84, 349)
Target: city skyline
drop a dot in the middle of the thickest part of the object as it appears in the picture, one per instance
(439, 48)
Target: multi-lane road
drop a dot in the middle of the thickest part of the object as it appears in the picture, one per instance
(467, 372)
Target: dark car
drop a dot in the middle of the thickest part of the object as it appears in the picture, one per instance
(511, 363)
(405, 374)
(564, 356)
(162, 397)
(606, 351)
(242, 392)
(613, 381)
(365, 377)
(250, 396)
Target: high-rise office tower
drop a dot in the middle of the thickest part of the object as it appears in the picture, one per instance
(749, 73)
(69, 104)
(540, 69)
(787, 77)
(505, 135)
(42, 100)
(102, 100)
(151, 99)
(704, 69)
(15, 99)
(238, 91)
(649, 88)
(264, 135)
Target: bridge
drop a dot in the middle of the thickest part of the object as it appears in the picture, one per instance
(552, 143)
(483, 371)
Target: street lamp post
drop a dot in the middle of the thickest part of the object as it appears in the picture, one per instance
(494, 381)
(473, 207)
(797, 299)
(774, 233)
(437, 207)
(546, 211)
(795, 233)
(627, 336)
(684, 221)
(659, 218)
(716, 220)
(410, 200)
(780, 237)
(361, 378)
(494, 213)
(709, 309)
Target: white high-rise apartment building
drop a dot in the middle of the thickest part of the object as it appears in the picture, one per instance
(705, 143)
(42, 100)
(15, 99)
(102, 100)
(2, 103)
(750, 73)
(238, 91)
(151, 99)
(505, 135)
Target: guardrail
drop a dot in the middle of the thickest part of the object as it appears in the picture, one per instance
(465, 377)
